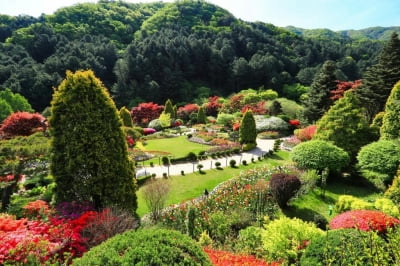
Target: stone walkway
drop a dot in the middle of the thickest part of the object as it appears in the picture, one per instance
(263, 146)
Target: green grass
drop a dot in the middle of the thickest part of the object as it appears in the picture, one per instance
(177, 147)
(314, 202)
(193, 185)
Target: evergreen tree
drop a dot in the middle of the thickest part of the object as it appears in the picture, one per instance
(276, 108)
(390, 129)
(201, 116)
(169, 109)
(345, 125)
(126, 117)
(380, 78)
(247, 130)
(89, 160)
(318, 98)
(16, 101)
(5, 110)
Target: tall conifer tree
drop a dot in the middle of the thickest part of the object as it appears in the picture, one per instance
(90, 160)
(247, 130)
(390, 129)
(318, 100)
(379, 80)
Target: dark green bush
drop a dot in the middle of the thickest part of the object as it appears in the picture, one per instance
(217, 164)
(232, 163)
(146, 247)
(165, 160)
(340, 247)
(244, 162)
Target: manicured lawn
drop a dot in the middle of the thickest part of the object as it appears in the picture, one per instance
(309, 205)
(177, 147)
(193, 185)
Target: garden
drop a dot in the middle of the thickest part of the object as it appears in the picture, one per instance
(70, 194)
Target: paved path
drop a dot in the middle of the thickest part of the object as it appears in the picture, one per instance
(263, 146)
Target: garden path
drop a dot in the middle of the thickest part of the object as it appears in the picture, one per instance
(263, 146)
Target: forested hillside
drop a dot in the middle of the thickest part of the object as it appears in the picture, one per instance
(182, 50)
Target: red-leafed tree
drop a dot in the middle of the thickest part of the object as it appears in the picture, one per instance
(184, 112)
(256, 108)
(343, 86)
(212, 106)
(306, 133)
(145, 112)
(22, 124)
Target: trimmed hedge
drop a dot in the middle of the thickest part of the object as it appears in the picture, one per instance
(146, 247)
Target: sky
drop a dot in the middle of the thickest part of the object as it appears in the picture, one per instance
(308, 14)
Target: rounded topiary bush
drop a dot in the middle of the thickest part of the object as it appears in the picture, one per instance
(378, 162)
(146, 247)
(318, 155)
(340, 247)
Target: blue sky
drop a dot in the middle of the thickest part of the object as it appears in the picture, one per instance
(309, 14)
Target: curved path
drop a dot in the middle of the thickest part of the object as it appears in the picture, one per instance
(263, 146)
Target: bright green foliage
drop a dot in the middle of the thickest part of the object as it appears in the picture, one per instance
(318, 155)
(250, 241)
(387, 206)
(393, 192)
(169, 109)
(16, 101)
(201, 116)
(347, 203)
(247, 130)
(294, 91)
(268, 95)
(90, 160)
(126, 117)
(225, 119)
(345, 125)
(343, 247)
(391, 119)
(283, 237)
(378, 162)
(5, 110)
(318, 98)
(165, 119)
(146, 247)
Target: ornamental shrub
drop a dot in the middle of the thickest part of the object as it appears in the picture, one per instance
(365, 220)
(285, 238)
(250, 241)
(378, 162)
(270, 124)
(247, 130)
(146, 247)
(5, 110)
(232, 163)
(90, 160)
(340, 247)
(318, 155)
(347, 203)
(393, 192)
(283, 187)
(126, 117)
(387, 206)
(21, 124)
(390, 128)
(156, 124)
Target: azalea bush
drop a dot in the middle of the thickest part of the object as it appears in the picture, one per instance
(365, 220)
(223, 258)
(22, 124)
(304, 134)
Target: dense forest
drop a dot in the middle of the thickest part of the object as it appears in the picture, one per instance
(182, 50)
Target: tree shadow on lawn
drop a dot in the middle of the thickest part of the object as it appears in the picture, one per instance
(276, 157)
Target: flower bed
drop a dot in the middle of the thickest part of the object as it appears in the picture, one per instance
(223, 258)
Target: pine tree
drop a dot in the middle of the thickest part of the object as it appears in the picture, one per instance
(247, 130)
(390, 129)
(90, 160)
(380, 78)
(126, 117)
(318, 100)
(201, 116)
(169, 109)
(344, 124)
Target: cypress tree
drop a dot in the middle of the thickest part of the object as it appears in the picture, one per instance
(169, 109)
(318, 100)
(126, 117)
(380, 78)
(345, 125)
(89, 160)
(247, 130)
(201, 116)
(390, 129)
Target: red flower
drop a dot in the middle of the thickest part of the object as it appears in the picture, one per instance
(294, 122)
(223, 258)
(364, 220)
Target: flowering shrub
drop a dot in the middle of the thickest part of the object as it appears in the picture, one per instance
(294, 123)
(290, 143)
(241, 192)
(364, 220)
(236, 126)
(74, 209)
(21, 124)
(306, 133)
(145, 112)
(270, 124)
(213, 106)
(184, 112)
(222, 258)
(148, 131)
(37, 208)
(257, 108)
